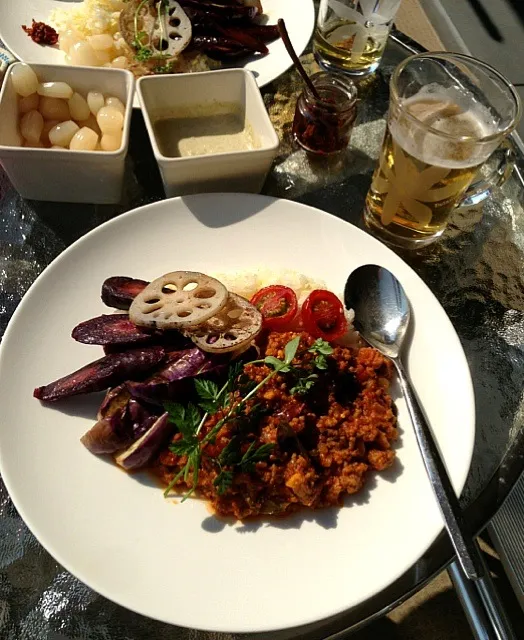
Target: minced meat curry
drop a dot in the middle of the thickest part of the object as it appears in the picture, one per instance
(291, 436)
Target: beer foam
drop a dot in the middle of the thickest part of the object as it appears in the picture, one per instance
(451, 112)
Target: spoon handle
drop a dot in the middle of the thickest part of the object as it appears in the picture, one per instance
(465, 546)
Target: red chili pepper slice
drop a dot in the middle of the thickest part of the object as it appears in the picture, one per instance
(323, 315)
(277, 304)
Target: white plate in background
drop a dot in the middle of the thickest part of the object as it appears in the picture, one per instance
(299, 16)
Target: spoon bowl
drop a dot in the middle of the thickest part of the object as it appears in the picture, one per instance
(382, 310)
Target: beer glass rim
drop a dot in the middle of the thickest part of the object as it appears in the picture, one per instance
(468, 60)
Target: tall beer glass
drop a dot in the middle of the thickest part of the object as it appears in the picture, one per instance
(448, 114)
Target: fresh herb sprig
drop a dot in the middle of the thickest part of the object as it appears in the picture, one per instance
(305, 380)
(321, 349)
(143, 52)
(231, 457)
(189, 421)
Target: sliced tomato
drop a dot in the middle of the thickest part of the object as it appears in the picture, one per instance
(278, 306)
(323, 315)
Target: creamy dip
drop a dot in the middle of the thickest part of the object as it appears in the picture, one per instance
(204, 130)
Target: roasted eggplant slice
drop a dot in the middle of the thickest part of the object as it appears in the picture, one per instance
(109, 371)
(171, 381)
(143, 450)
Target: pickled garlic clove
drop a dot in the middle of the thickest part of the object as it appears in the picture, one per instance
(110, 142)
(30, 103)
(31, 126)
(54, 109)
(83, 54)
(96, 101)
(55, 90)
(91, 123)
(62, 134)
(103, 57)
(101, 42)
(67, 39)
(85, 139)
(48, 125)
(78, 107)
(110, 120)
(24, 79)
(120, 62)
(115, 103)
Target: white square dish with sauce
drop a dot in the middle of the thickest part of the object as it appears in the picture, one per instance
(209, 131)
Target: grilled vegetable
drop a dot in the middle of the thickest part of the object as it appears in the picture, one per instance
(235, 326)
(180, 299)
(110, 433)
(155, 29)
(172, 380)
(111, 370)
(119, 291)
(121, 421)
(110, 330)
(143, 450)
(278, 306)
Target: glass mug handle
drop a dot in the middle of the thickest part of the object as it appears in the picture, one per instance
(504, 158)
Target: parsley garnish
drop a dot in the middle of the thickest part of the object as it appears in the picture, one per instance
(230, 456)
(252, 456)
(321, 349)
(209, 394)
(143, 52)
(223, 482)
(189, 421)
(303, 385)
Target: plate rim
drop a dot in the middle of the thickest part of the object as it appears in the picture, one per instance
(269, 200)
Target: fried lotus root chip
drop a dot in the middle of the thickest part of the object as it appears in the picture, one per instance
(166, 34)
(178, 300)
(233, 327)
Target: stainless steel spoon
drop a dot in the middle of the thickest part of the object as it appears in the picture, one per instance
(382, 316)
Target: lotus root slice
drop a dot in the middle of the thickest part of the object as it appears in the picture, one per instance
(233, 327)
(178, 300)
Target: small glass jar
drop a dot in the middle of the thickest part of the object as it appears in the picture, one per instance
(323, 127)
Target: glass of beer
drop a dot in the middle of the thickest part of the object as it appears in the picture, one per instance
(448, 114)
(351, 35)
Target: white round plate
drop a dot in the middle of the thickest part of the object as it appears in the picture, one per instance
(298, 14)
(177, 562)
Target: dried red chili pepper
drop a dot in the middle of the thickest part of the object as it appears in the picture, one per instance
(41, 33)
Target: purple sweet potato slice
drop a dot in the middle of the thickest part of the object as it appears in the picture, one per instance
(110, 330)
(265, 32)
(120, 291)
(109, 371)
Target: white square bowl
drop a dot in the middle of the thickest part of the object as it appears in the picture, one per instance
(58, 175)
(245, 171)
